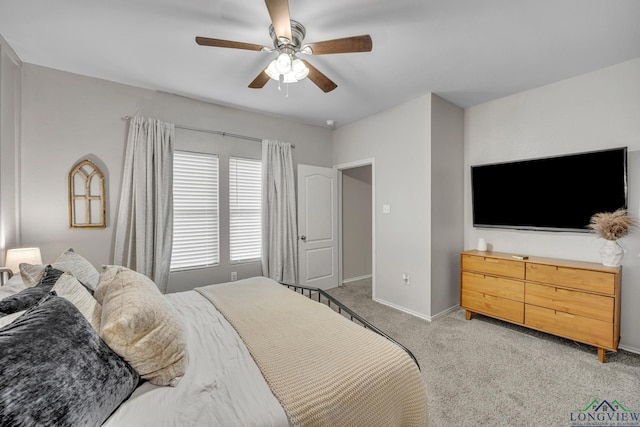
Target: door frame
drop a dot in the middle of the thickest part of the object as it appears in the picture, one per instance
(350, 165)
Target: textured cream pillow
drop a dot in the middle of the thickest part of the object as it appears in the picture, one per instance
(70, 288)
(141, 326)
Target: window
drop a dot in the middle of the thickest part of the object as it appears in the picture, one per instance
(195, 211)
(245, 225)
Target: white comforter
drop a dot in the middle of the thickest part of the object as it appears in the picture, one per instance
(221, 387)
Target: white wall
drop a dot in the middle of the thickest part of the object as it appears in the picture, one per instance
(356, 223)
(399, 140)
(590, 112)
(67, 117)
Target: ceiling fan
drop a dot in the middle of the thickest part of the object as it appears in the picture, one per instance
(287, 36)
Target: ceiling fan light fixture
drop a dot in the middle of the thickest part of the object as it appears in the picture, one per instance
(289, 78)
(283, 63)
(299, 70)
(272, 70)
(296, 72)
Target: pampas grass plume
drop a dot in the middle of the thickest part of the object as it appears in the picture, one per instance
(612, 225)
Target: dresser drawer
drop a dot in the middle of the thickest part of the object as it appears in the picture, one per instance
(493, 306)
(579, 328)
(595, 281)
(583, 304)
(496, 286)
(497, 266)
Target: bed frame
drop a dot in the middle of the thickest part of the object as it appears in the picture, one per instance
(319, 294)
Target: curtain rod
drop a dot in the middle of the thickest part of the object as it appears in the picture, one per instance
(216, 132)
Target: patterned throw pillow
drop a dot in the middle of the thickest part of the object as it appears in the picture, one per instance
(70, 288)
(56, 371)
(70, 262)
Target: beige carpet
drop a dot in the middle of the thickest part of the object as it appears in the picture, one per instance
(485, 372)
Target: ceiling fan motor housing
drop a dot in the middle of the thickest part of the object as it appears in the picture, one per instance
(297, 34)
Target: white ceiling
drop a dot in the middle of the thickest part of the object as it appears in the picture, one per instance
(467, 51)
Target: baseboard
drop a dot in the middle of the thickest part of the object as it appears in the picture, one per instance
(629, 349)
(355, 279)
(406, 310)
(445, 312)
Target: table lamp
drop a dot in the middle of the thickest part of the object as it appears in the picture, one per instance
(17, 256)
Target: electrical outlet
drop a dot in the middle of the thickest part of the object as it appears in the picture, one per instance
(234, 276)
(405, 278)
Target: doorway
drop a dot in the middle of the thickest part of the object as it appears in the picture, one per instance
(357, 220)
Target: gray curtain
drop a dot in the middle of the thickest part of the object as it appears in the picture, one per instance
(144, 230)
(279, 220)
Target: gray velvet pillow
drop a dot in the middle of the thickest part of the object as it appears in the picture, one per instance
(29, 297)
(56, 371)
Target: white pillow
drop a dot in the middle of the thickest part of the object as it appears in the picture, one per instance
(13, 286)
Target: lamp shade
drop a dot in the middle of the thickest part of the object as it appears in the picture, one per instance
(17, 256)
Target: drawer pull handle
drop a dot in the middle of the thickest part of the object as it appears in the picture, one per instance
(563, 314)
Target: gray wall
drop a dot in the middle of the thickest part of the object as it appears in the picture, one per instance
(447, 205)
(417, 148)
(594, 111)
(399, 142)
(9, 145)
(67, 117)
(356, 223)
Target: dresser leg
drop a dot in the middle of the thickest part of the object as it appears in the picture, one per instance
(602, 355)
(467, 315)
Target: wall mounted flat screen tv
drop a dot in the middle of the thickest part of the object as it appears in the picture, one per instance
(549, 194)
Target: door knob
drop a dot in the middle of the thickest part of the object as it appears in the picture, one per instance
(303, 238)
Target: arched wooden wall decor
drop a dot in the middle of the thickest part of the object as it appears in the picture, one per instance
(86, 196)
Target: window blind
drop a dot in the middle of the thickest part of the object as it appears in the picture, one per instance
(195, 211)
(245, 225)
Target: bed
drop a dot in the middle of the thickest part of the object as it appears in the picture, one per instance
(246, 353)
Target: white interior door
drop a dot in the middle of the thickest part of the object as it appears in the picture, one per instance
(318, 226)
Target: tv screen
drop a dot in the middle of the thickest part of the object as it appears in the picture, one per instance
(554, 194)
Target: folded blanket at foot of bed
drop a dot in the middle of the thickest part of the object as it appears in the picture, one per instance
(323, 368)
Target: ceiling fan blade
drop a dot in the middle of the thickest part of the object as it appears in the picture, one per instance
(322, 81)
(205, 41)
(280, 19)
(260, 81)
(346, 45)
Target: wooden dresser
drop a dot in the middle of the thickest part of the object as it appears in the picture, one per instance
(572, 299)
